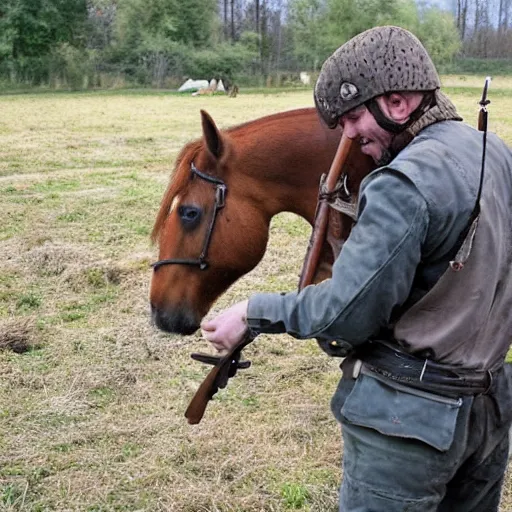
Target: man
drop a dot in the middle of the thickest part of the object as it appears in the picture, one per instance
(420, 299)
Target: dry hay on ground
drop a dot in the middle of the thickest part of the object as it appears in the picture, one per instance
(52, 259)
(78, 268)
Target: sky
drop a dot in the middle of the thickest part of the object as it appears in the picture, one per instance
(451, 5)
(443, 4)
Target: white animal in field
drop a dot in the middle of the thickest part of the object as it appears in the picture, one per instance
(305, 78)
(194, 85)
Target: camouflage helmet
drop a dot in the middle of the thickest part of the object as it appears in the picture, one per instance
(375, 62)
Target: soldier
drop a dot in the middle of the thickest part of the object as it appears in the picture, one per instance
(420, 300)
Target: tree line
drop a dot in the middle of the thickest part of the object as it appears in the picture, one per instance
(158, 43)
(485, 27)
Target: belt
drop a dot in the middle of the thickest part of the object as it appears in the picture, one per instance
(392, 363)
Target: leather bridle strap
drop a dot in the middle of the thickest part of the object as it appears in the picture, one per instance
(220, 200)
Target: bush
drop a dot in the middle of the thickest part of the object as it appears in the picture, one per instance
(226, 61)
(437, 31)
(25, 71)
(156, 59)
(71, 67)
(473, 66)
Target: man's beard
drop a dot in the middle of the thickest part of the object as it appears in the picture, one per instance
(399, 142)
(385, 157)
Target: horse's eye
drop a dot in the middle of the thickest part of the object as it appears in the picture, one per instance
(190, 216)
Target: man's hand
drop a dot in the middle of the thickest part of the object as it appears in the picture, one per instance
(228, 328)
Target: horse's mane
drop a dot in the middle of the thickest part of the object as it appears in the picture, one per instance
(280, 116)
(176, 185)
(180, 178)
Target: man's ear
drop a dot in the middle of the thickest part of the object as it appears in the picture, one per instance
(399, 106)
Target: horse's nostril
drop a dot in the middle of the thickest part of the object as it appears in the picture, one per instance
(178, 321)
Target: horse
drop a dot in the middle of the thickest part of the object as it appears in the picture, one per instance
(213, 223)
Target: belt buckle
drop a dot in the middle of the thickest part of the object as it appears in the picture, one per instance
(491, 382)
(356, 370)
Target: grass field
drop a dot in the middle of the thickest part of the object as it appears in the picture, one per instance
(91, 395)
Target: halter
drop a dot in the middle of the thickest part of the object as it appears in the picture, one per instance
(220, 201)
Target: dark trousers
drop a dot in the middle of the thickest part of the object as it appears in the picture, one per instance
(406, 450)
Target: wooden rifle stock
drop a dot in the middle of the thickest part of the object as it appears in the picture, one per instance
(225, 367)
(319, 232)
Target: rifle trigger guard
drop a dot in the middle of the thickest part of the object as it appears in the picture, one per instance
(214, 360)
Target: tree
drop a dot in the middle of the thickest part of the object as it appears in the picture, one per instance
(347, 18)
(189, 22)
(437, 31)
(195, 22)
(462, 15)
(153, 38)
(30, 28)
(306, 23)
(101, 18)
(226, 31)
(233, 36)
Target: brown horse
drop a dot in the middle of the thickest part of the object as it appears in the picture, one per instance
(213, 222)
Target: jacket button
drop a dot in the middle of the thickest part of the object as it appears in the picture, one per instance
(334, 343)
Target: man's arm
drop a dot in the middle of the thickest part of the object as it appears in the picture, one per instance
(372, 275)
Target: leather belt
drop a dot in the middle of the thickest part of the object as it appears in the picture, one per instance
(392, 363)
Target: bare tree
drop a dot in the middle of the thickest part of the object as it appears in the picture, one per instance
(233, 20)
(462, 14)
(226, 30)
(506, 14)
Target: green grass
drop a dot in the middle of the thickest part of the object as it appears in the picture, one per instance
(91, 417)
(295, 495)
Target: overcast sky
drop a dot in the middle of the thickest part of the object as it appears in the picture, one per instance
(451, 5)
(444, 4)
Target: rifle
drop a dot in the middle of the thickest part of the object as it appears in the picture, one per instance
(224, 367)
(483, 114)
(469, 231)
(482, 126)
(318, 235)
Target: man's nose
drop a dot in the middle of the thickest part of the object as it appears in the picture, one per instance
(349, 129)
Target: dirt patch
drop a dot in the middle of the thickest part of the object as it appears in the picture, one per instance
(19, 335)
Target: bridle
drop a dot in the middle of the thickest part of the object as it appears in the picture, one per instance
(220, 201)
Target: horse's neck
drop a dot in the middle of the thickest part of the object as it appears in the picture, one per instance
(287, 176)
(274, 190)
(300, 199)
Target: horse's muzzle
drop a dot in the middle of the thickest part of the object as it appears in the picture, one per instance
(178, 321)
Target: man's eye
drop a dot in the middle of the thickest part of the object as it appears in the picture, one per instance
(348, 117)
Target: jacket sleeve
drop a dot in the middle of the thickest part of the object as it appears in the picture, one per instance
(372, 275)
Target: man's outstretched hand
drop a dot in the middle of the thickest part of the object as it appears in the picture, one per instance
(228, 328)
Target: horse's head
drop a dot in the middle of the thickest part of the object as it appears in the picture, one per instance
(210, 230)
(213, 223)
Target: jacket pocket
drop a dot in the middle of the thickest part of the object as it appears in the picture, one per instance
(395, 410)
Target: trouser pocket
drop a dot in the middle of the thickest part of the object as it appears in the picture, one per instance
(395, 410)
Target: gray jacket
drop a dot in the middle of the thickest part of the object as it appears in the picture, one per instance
(393, 273)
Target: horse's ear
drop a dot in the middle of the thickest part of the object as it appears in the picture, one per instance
(212, 135)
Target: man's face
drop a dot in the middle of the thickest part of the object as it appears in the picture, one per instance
(360, 125)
